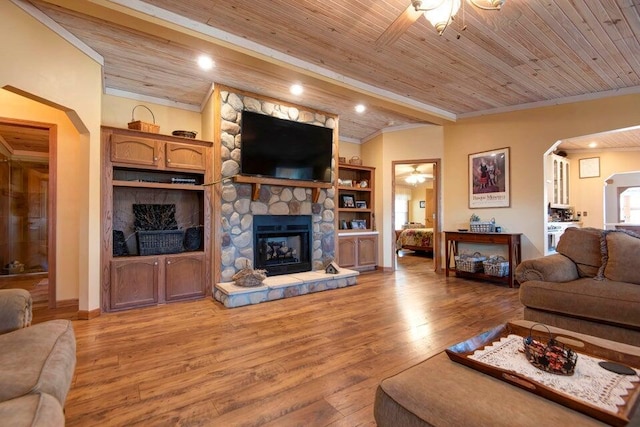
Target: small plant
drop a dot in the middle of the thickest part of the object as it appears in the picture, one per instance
(474, 218)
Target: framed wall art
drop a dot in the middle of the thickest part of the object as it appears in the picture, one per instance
(590, 167)
(423, 203)
(489, 179)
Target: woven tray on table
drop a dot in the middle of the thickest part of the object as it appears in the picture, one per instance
(496, 266)
(470, 263)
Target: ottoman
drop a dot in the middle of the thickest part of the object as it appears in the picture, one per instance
(440, 392)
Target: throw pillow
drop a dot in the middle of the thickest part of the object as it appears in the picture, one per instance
(582, 246)
(623, 256)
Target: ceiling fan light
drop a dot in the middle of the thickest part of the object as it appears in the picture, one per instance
(488, 4)
(441, 15)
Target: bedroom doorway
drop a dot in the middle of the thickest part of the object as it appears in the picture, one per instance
(415, 207)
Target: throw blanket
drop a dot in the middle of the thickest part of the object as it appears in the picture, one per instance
(416, 237)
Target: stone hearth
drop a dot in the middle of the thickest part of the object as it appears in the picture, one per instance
(283, 286)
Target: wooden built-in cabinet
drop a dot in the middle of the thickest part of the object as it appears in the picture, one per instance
(144, 168)
(357, 238)
(358, 251)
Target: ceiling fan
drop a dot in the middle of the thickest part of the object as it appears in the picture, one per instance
(439, 12)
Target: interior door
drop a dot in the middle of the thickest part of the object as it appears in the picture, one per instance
(430, 208)
(37, 193)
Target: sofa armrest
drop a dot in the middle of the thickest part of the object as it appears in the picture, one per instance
(15, 309)
(551, 268)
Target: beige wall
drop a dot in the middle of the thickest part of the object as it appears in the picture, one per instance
(529, 134)
(45, 67)
(425, 142)
(117, 112)
(349, 150)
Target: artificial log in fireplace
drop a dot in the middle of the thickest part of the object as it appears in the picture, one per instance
(282, 243)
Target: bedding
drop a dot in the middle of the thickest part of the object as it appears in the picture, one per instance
(415, 239)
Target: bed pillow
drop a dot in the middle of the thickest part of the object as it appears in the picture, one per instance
(623, 256)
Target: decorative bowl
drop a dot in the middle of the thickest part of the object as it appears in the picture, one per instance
(184, 133)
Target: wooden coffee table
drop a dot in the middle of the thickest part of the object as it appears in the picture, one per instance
(440, 392)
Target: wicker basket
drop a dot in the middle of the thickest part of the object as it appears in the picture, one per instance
(482, 227)
(549, 355)
(496, 266)
(470, 263)
(355, 160)
(143, 126)
(159, 242)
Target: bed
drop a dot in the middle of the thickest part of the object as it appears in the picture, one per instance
(415, 239)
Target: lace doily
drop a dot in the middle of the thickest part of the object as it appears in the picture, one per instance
(590, 383)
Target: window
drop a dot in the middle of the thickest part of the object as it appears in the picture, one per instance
(403, 196)
(630, 205)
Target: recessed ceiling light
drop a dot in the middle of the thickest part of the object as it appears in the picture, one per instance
(593, 144)
(296, 89)
(360, 108)
(205, 62)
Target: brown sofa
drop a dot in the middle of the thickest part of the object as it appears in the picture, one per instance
(36, 364)
(591, 286)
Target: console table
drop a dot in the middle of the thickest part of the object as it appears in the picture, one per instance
(512, 240)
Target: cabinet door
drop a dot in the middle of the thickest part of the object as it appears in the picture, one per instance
(134, 150)
(367, 250)
(346, 252)
(184, 277)
(134, 282)
(181, 156)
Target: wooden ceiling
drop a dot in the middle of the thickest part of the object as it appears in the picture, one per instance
(530, 53)
(24, 139)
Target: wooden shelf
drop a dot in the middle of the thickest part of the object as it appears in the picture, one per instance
(158, 185)
(257, 181)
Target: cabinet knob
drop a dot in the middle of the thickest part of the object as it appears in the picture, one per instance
(155, 263)
(155, 159)
(168, 262)
(168, 160)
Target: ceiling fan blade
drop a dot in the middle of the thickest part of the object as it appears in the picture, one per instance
(398, 27)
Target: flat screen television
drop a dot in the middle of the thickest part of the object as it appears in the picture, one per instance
(278, 148)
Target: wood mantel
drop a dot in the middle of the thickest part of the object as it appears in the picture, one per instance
(256, 182)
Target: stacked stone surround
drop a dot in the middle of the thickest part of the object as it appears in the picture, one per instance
(237, 208)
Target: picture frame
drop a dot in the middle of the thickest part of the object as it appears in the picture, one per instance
(343, 224)
(347, 201)
(358, 224)
(423, 204)
(361, 204)
(590, 167)
(489, 179)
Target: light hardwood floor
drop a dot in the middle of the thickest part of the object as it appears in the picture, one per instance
(313, 360)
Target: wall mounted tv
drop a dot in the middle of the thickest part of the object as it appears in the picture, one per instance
(277, 148)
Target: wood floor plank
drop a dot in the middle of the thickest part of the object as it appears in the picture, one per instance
(312, 360)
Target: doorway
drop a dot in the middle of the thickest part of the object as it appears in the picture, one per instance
(415, 207)
(27, 214)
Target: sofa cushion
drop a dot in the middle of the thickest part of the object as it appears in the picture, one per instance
(38, 359)
(16, 309)
(582, 246)
(622, 261)
(598, 300)
(32, 410)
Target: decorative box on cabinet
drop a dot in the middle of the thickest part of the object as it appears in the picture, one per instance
(149, 168)
(358, 251)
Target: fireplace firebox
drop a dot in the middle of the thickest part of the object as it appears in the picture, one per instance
(282, 243)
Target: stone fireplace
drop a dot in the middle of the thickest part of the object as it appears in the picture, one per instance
(282, 243)
(240, 208)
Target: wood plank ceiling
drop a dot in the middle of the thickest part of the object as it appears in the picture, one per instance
(530, 52)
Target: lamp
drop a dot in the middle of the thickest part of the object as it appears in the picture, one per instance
(416, 177)
(440, 13)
